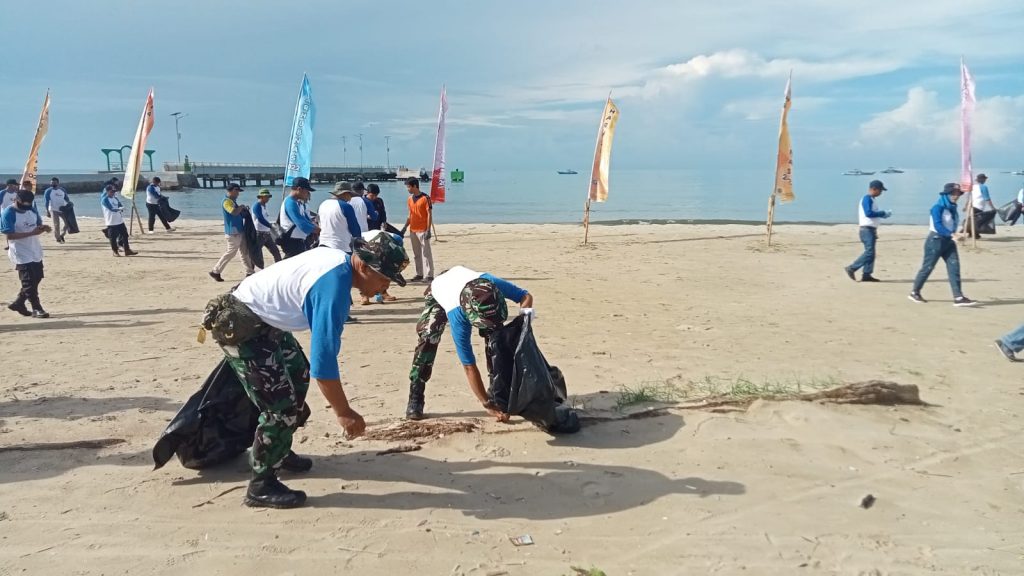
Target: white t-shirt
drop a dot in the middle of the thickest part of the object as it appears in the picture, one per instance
(112, 211)
(333, 226)
(22, 250)
(7, 198)
(447, 288)
(359, 206)
(1020, 196)
(58, 199)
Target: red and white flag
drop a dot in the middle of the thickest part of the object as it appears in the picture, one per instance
(134, 166)
(438, 181)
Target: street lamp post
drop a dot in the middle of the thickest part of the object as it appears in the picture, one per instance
(360, 155)
(387, 145)
(178, 116)
(344, 151)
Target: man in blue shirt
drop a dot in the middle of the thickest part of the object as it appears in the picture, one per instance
(231, 211)
(254, 326)
(869, 218)
(263, 226)
(153, 196)
(941, 244)
(466, 300)
(296, 224)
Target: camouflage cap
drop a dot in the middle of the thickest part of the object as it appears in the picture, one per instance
(384, 255)
(484, 305)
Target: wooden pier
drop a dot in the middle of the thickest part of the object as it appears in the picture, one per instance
(220, 175)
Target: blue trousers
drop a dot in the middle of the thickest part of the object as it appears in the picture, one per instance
(868, 237)
(936, 247)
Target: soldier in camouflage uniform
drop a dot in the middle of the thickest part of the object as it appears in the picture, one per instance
(464, 299)
(253, 325)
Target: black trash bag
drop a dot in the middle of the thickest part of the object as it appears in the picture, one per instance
(170, 214)
(985, 221)
(215, 425)
(70, 219)
(1009, 212)
(251, 240)
(522, 383)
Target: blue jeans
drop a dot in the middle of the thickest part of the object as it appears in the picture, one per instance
(1014, 340)
(936, 247)
(868, 237)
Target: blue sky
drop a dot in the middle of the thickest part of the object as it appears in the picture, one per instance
(698, 83)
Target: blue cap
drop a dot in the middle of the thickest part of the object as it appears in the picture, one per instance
(877, 185)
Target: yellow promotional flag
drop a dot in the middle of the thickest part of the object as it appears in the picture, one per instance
(603, 153)
(134, 166)
(784, 166)
(32, 164)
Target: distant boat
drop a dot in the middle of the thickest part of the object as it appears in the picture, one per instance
(568, 172)
(1018, 173)
(857, 172)
(891, 170)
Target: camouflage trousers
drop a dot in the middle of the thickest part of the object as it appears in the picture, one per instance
(275, 374)
(429, 329)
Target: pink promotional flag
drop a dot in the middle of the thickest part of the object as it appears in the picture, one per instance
(967, 101)
(438, 182)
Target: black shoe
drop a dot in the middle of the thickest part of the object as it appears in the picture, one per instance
(1005, 351)
(130, 252)
(117, 254)
(849, 273)
(428, 279)
(964, 301)
(869, 278)
(416, 400)
(351, 320)
(416, 279)
(216, 277)
(40, 313)
(295, 463)
(916, 297)
(270, 493)
(19, 307)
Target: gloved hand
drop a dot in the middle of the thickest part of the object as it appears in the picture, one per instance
(528, 312)
(888, 213)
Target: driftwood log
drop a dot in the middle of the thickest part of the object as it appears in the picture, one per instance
(90, 444)
(879, 392)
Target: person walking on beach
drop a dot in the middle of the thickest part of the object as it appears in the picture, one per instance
(418, 223)
(941, 244)
(263, 226)
(9, 195)
(21, 224)
(113, 217)
(153, 197)
(1012, 343)
(869, 219)
(231, 211)
(55, 199)
(466, 300)
(310, 291)
(982, 210)
(295, 221)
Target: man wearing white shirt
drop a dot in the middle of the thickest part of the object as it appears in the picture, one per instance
(254, 325)
(113, 217)
(358, 206)
(9, 194)
(338, 221)
(22, 226)
(153, 197)
(262, 223)
(295, 221)
(56, 198)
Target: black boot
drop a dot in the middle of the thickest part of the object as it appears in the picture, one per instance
(267, 492)
(415, 409)
(295, 463)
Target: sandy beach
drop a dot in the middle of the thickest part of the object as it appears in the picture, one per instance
(772, 489)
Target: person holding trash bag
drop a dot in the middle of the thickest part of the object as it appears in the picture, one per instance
(254, 325)
(466, 300)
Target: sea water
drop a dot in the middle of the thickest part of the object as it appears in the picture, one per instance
(512, 197)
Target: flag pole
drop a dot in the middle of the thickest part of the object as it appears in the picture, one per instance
(586, 221)
(771, 216)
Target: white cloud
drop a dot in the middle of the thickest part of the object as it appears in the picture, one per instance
(997, 120)
(766, 108)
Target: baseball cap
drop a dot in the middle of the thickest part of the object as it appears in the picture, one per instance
(302, 184)
(235, 187)
(877, 185)
(981, 177)
(951, 188)
(358, 187)
(384, 255)
(12, 181)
